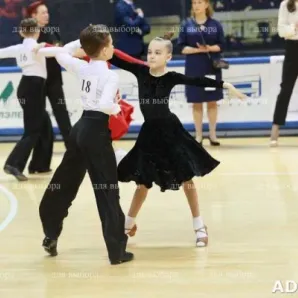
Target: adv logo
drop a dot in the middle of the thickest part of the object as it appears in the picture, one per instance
(289, 286)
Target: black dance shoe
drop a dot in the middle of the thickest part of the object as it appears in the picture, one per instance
(39, 171)
(214, 143)
(127, 257)
(15, 172)
(50, 246)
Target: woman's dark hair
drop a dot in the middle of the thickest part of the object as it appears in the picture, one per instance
(94, 38)
(29, 27)
(291, 5)
(33, 7)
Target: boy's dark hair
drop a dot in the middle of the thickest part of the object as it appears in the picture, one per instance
(94, 38)
(29, 27)
(291, 5)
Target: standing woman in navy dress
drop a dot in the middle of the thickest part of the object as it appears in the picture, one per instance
(198, 63)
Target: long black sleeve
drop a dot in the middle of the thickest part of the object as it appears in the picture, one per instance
(181, 79)
(125, 65)
(53, 67)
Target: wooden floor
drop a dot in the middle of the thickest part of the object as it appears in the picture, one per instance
(250, 204)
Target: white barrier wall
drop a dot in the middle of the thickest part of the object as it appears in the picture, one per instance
(258, 77)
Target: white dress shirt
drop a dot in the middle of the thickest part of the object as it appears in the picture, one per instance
(98, 84)
(287, 22)
(32, 64)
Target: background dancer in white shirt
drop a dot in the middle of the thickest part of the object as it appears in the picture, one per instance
(30, 94)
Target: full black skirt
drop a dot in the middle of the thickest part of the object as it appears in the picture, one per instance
(166, 154)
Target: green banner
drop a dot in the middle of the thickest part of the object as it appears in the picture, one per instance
(7, 91)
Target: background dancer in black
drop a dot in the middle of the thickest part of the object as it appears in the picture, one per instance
(288, 29)
(54, 82)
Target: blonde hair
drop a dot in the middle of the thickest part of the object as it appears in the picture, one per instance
(28, 27)
(167, 40)
(209, 10)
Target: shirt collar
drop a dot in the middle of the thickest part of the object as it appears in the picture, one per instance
(100, 63)
(29, 40)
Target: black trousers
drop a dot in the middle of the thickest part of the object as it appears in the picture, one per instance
(55, 94)
(90, 149)
(54, 91)
(36, 124)
(289, 77)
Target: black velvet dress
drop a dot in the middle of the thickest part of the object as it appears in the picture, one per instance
(164, 152)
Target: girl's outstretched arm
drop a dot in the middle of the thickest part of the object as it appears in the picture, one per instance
(126, 62)
(181, 79)
(128, 58)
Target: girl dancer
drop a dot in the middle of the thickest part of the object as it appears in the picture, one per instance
(90, 148)
(31, 97)
(164, 153)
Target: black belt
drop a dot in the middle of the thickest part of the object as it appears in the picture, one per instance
(95, 114)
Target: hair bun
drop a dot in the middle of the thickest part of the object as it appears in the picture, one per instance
(168, 35)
